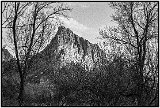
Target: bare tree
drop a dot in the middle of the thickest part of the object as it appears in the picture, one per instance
(30, 25)
(137, 25)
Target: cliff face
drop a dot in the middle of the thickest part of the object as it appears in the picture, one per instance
(67, 47)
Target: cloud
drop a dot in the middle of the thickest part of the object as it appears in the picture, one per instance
(73, 24)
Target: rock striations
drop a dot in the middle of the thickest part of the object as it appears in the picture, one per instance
(67, 47)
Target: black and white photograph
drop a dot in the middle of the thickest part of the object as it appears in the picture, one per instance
(79, 53)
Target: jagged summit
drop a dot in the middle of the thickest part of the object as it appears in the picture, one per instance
(67, 33)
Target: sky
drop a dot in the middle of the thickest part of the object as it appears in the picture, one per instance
(87, 18)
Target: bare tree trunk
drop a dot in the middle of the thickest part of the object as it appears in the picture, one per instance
(21, 91)
(20, 97)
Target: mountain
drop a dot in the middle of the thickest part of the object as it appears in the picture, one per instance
(67, 47)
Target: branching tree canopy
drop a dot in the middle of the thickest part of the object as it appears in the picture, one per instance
(29, 26)
(137, 23)
(137, 28)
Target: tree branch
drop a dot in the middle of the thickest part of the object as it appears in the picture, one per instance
(55, 12)
(120, 40)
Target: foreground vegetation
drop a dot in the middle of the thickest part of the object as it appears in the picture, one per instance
(113, 84)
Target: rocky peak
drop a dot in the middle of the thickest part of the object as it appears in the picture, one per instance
(68, 47)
